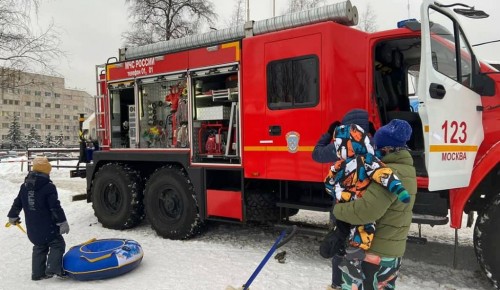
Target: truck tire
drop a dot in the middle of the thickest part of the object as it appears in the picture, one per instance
(117, 196)
(170, 204)
(486, 237)
(261, 207)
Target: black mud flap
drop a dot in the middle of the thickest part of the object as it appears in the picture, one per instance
(82, 173)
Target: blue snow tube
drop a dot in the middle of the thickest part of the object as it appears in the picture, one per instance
(102, 259)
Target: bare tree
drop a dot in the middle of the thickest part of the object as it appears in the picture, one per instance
(299, 5)
(157, 20)
(238, 14)
(24, 47)
(368, 21)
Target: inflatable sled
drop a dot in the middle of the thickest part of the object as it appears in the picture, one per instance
(102, 259)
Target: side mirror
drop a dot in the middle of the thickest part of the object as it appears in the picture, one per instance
(483, 84)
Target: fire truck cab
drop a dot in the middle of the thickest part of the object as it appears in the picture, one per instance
(221, 126)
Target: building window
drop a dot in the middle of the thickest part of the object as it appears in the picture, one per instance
(66, 117)
(47, 105)
(293, 83)
(47, 116)
(75, 107)
(16, 102)
(11, 102)
(28, 103)
(5, 102)
(27, 92)
(57, 116)
(27, 126)
(57, 127)
(48, 94)
(56, 95)
(38, 93)
(27, 115)
(75, 118)
(38, 104)
(57, 106)
(38, 126)
(38, 115)
(47, 127)
(5, 125)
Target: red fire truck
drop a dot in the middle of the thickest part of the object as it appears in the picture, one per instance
(221, 126)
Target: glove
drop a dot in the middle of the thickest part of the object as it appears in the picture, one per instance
(332, 127)
(14, 221)
(63, 227)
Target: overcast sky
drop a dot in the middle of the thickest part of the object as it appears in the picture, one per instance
(91, 30)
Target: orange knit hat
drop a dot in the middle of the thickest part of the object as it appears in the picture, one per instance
(41, 164)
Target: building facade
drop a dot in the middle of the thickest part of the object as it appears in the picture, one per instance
(42, 102)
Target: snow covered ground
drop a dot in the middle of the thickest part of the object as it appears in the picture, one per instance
(225, 254)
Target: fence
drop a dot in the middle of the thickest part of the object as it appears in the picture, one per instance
(54, 154)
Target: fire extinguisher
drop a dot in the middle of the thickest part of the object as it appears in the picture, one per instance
(210, 144)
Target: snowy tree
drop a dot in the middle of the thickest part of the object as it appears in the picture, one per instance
(300, 5)
(158, 20)
(34, 139)
(14, 136)
(49, 140)
(60, 140)
(368, 21)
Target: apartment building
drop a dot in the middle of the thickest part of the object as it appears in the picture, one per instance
(42, 102)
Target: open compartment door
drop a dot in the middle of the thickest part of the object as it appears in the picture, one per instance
(450, 110)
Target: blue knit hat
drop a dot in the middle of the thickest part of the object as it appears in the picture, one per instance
(358, 117)
(394, 134)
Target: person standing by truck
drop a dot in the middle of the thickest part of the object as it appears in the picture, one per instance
(45, 220)
(325, 152)
(393, 218)
(348, 179)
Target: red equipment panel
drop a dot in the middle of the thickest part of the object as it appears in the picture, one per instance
(342, 87)
(214, 55)
(224, 203)
(147, 66)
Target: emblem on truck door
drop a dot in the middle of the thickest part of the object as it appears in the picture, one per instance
(292, 141)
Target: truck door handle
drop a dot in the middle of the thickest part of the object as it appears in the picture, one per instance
(275, 130)
(437, 91)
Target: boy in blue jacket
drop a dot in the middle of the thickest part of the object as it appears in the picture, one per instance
(45, 220)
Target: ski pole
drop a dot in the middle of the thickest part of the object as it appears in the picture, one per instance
(276, 245)
(17, 225)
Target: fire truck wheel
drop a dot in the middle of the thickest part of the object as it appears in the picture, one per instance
(486, 237)
(117, 196)
(170, 204)
(262, 207)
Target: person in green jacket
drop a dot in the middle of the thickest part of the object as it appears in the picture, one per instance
(380, 267)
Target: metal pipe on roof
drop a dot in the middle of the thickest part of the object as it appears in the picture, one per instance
(343, 13)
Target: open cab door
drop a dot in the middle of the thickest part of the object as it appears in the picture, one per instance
(449, 107)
